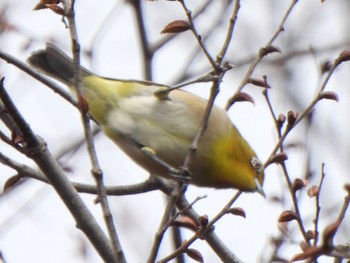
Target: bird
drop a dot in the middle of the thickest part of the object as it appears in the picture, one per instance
(143, 124)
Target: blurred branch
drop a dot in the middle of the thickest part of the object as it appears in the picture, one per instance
(98, 36)
(72, 147)
(229, 34)
(153, 183)
(206, 232)
(184, 74)
(22, 211)
(267, 49)
(312, 253)
(96, 170)
(197, 36)
(49, 166)
(31, 72)
(177, 239)
(147, 53)
(318, 206)
(318, 97)
(292, 120)
(165, 222)
(170, 37)
(216, 244)
(294, 54)
(219, 12)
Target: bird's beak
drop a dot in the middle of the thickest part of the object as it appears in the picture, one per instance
(259, 188)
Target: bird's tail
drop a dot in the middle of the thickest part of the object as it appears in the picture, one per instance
(53, 62)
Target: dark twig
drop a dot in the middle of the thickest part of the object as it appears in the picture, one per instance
(262, 53)
(152, 184)
(46, 81)
(318, 206)
(147, 52)
(206, 233)
(163, 226)
(49, 166)
(177, 239)
(197, 36)
(96, 170)
(156, 46)
(308, 109)
(229, 35)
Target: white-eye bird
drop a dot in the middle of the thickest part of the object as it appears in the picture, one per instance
(130, 114)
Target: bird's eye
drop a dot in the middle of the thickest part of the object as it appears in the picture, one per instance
(256, 163)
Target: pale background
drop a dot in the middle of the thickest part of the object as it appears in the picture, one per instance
(34, 224)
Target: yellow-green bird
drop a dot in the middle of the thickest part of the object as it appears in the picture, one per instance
(130, 114)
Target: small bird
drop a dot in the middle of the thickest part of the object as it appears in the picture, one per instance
(133, 115)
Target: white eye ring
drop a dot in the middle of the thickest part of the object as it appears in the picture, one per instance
(256, 163)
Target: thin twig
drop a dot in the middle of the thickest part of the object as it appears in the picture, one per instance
(49, 166)
(164, 224)
(229, 34)
(284, 169)
(318, 206)
(156, 46)
(177, 239)
(197, 36)
(202, 233)
(344, 208)
(295, 203)
(96, 170)
(152, 184)
(282, 138)
(147, 52)
(261, 54)
(40, 77)
(185, 72)
(307, 110)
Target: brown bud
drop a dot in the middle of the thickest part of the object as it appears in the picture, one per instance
(313, 191)
(241, 96)
(185, 221)
(298, 184)
(280, 120)
(347, 188)
(328, 95)
(176, 26)
(291, 118)
(310, 234)
(277, 158)
(269, 49)
(325, 67)
(287, 216)
(11, 182)
(344, 56)
(203, 221)
(194, 254)
(237, 211)
(258, 82)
